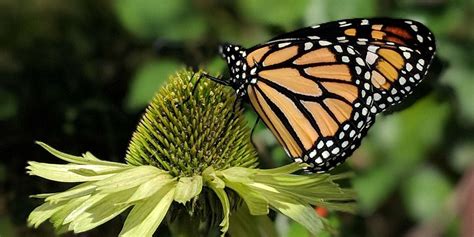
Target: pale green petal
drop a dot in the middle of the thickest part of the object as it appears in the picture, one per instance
(146, 216)
(128, 179)
(70, 173)
(221, 194)
(210, 176)
(103, 210)
(286, 169)
(43, 212)
(58, 218)
(283, 180)
(90, 156)
(150, 187)
(78, 159)
(256, 202)
(42, 195)
(188, 188)
(73, 215)
(62, 155)
(239, 174)
(77, 191)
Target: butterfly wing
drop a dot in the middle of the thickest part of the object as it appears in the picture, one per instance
(314, 98)
(397, 51)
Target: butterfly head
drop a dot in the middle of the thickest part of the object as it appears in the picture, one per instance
(235, 57)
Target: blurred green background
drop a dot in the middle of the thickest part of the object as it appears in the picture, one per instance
(78, 75)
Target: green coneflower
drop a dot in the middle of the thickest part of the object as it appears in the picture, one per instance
(190, 162)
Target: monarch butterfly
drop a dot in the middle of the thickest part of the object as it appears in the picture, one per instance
(318, 89)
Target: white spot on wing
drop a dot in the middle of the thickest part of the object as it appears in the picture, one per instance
(377, 97)
(419, 67)
(373, 48)
(281, 45)
(324, 43)
(419, 38)
(350, 51)
(371, 58)
(367, 75)
(402, 81)
(407, 55)
(406, 49)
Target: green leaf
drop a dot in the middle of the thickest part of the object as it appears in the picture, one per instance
(303, 214)
(320, 11)
(189, 27)
(188, 188)
(297, 230)
(242, 223)
(277, 12)
(462, 156)
(156, 19)
(147, 80)
(403, 140)
(215, 66)
(145, 217)
(425, 193)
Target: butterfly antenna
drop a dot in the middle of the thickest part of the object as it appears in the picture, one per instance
(212, 78)
(194, 87)
(215, 79)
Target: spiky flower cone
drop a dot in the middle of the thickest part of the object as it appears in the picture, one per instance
(185, 132)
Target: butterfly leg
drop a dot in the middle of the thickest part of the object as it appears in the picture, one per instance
(252, 131)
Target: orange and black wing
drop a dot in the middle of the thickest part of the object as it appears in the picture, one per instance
(397, 51)
(314, 98)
